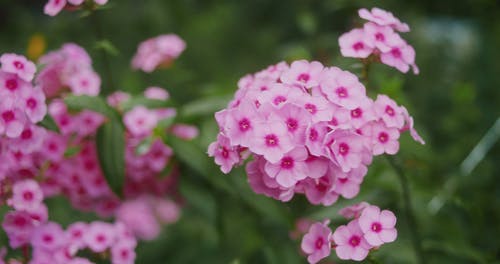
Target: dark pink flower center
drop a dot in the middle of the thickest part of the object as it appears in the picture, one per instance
(31, 103)
(343, 149)
(333, 122)
(354, 241)
(28, 196)
(383, 137)
(376, 227)
(11, 84)
(19, 65)
(389, 110)
(396, 53)
(100, 238)
(313, 135)
(358, 46)
(8, 116)
(47, 238)
(356, 113)
(287, 163)
(319, 243)
(20, 221)
(311, 108)
(263, 88)
(124, 253)
(343, 180)
(379, 36)
(84, 82)
(341, 92)
(224, 152)
(244, 124)
(76, 233)
(279, 99)
(292, 124)
(271, 140)
(26, 134)
(303, 77)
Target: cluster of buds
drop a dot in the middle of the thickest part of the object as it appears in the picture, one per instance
(53, 7)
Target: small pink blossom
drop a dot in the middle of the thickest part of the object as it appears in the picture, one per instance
(383, 18)
(53, 7)
(140, 121)
(353, 211)
(19, 65)
(225, 155)
(378, 226)
(99, 236)
(350, 242)
(317, 242)
(26, 195)
(290, 169)
(157, 93)
(160, 50)
(302, 73)
(356, 44)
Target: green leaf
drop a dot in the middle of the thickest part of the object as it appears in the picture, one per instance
(94, 103)
(49, 123)
(111, 153)
(72, 151)
(146, 102)
(205, 106)
(107, 47)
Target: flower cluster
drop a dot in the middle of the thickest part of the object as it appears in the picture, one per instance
(370, 229)
(69, 67)
(53, 7)
(21, 103)
(157, 52)
(37, 163)
(379, 38)
(310, 129)
(28, 225)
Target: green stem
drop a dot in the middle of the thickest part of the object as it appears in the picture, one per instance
(409, 212)
(108, 87)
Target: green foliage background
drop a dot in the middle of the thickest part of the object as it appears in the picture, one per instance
(454, 101)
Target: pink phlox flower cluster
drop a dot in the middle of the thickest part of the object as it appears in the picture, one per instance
(145, 215)
(158, 51)
(21, 103)
(379, 38)
(69, 67)
(310, 129)
(370, 229)
(53, 7)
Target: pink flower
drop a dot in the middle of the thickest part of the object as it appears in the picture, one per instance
(401, 55)
(290, 169)
(347, 184)
(53, 7)
(138, 216)
(167, 211)
(17, 64)
(240, 124)
(302, 74)
(157, 51)
(384, 139)
(157, 93)
(19, 227)
(123, 253)
(34, 104)
(26, 195)
(379, 35)
(261, 183)
(75, 233)
(409, 126)
(85, 83)
(345, 148)
(183, 131)
(99, 236)
(386, 109)
(11, 86)
(49, 237)
(383, 18)
(342, 88)
(140, 121)
(356, 44)
(353, 211)
(350, 242)
(12, 119)
(321, 190)
(271, 140)
(30, 140)
(378, 226)
(317, 242)
(225, 155)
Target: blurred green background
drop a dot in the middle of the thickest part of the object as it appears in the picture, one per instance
(455, 100)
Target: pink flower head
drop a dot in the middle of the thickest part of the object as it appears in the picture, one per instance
(290, 169)
(157, 93)
(19, 227)
(296, 120)
(49, 237)
(99, 236)
(317, 242)
(378, 226)
(140, 121)
(350, 242)
(75, 233)
(30, 140)
(356, 44)
(11, 86)
(26, 195)
(85, 83)
(17, 64)
(386, 109)
(342, 88)
(302, 73)
(271, 140)
(123, 253)
(240, 124)
(157, 51)
(400, 56)
(53, 7)
(383, 18)
(384, 139)
(33, 101)
(345, 148)
(318, 107)
(379, 36)
(353, 211)
(225, 155)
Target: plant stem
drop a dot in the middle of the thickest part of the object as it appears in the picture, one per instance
(410, 215)
(108, 87)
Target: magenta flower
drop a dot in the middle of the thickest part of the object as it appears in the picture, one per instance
(345, 148)
(317, 242)
(34, 104)
(225, 155)
(140, 121)
(271, 140)
(379, 35)
(290, 169)
(302, 74)
(350, 242)
(49, 237)
(356, 44)
(157, 51)
(401, 55)
(26, 195)
(384, 139)
(386, 109)
(378, 226)
(342, 88)
(85, 83)
(99, 236)
(53, 7)
(19, 65)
